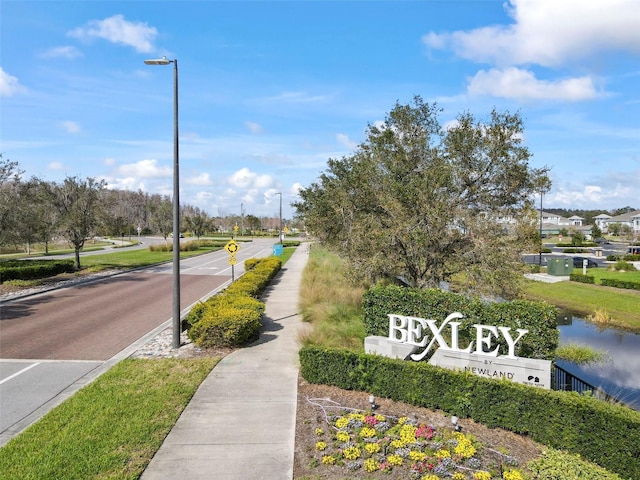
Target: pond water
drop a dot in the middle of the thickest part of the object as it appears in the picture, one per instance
(619, 375)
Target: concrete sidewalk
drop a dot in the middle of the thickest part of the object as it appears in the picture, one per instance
(240, 424)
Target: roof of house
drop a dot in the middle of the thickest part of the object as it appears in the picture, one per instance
(626, 217)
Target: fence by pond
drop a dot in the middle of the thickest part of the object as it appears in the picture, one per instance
(567, 381)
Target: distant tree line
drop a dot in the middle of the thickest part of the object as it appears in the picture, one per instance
(37, 211)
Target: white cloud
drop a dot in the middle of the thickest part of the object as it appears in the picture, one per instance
(145, 169)
(291, 97)
(58, 166)
(522, 84)
(9, 85)
(67, 52)
(244, 178)
(109, 162)
(548, 33)
(117, 30)
(70, 126)
(203, 179)
(254, 127)
(345, 141)
(613, 196)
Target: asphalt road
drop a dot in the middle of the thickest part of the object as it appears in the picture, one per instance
(52, 344)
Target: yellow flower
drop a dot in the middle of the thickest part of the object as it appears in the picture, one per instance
(482, 475)
(319, 431)
(352, 453)
(357, 416)
(402, 420)
(408, 433)
(430, 477)
(443, 453)
(417, 456)
(458, 476)
(464, 448)
(367, 432)
(321, 446)
(395, 460)
(397, 443)
(370, 465)
(381, 418)
(328, 460)
(372, 448)
(511, 475)
(342, 422)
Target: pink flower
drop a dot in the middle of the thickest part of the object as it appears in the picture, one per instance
(371, 420)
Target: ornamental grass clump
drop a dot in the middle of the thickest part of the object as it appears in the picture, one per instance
(382, 444)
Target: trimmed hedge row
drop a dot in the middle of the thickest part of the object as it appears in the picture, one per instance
(539, 318)
(33, 269)
(233, 317)
(627, 258)
(610, 282)
(606, 434)
(579, 277)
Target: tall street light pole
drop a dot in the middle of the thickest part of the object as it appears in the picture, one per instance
(176, 201)
(540, 232)
(280, 231)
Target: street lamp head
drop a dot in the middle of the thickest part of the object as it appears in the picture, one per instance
(158, 61)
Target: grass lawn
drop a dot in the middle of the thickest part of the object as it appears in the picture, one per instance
(621, 305)
(109, 429)
(136, 258)
(600, 273)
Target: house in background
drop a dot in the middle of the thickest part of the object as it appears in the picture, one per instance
(631, 219)
(552, 223)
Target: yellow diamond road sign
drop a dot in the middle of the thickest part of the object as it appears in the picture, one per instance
(232, 260)
(232, 247)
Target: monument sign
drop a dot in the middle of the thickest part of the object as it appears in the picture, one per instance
(407, 335)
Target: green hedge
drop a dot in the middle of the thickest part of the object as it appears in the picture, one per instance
(33, 269)
(539, 318)
(606, 434)
(233, 317)
(254, 281)
(610, 282)
(579, 277)
(226, 327)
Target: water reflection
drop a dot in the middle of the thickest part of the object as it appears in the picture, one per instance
(619, 375)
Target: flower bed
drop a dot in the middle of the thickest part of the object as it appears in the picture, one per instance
(380, 444)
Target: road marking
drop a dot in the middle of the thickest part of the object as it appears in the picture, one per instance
(19, 373)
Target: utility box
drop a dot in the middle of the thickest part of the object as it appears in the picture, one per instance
(560, 267)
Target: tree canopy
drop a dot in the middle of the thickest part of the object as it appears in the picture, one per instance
(425, 203)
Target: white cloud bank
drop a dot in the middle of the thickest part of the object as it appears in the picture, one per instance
(119, 31)
(550, 34)
(9, 85)
(515, 83)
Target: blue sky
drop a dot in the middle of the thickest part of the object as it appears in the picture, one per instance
(268, 91)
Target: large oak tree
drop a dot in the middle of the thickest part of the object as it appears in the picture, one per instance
(424, 203)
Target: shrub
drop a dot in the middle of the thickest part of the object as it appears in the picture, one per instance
(611, 282)
(562, 466)
(232, 317)
(579, 277)
(33, 269)
(226, 327)
(623, 265)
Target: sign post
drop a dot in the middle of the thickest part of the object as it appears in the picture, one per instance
(232, 248)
